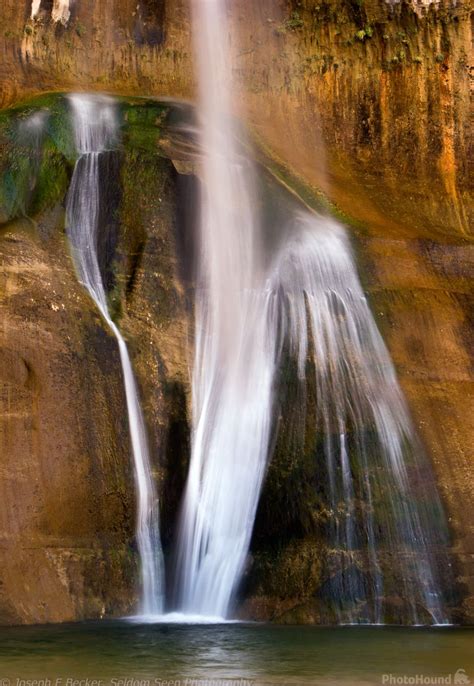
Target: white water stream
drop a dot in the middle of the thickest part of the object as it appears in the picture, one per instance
(95, 125)
(60, 12)
(311, 297)
(234, 359)
(369, 446)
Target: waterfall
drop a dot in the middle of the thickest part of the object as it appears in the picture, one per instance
(303, 300)
(234, 358)
(95, 125)
(60, 12)
(35, 8)
(369, 445)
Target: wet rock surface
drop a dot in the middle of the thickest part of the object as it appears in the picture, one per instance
(387, 90)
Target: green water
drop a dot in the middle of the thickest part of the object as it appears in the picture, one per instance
(123, 654)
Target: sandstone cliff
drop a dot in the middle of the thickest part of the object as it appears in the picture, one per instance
(386, 89)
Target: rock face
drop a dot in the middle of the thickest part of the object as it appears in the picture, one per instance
(65, 532)
(386, 88)
(421, 296)
(67, 545)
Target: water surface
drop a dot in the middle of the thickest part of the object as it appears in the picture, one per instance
(126, 654)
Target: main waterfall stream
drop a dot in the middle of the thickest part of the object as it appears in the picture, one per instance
(234, 359)
(95, 125)
(303, 300)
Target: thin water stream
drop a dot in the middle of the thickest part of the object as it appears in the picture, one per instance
(96, 127)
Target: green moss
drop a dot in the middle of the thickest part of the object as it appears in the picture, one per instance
(142, 137)
(293, 23)
(144, 112)
(142, 125)
(15, 182)
(364, 34)
(52, 181)
(35, 166)
(61, 134)
(58, 125)
(28, 106)
(80, 29)
(144, 175)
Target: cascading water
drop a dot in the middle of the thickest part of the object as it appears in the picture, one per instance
(60, 11)
(382, 496)
(35, 8)
(95, 125)
(234, 359)
(306, 297)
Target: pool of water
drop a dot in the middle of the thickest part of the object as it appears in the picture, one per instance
(133, 654)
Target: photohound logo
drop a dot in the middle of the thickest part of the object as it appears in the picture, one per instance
(458, 679)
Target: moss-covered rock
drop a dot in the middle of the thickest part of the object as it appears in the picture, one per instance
(36, 157)
(422, 307)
